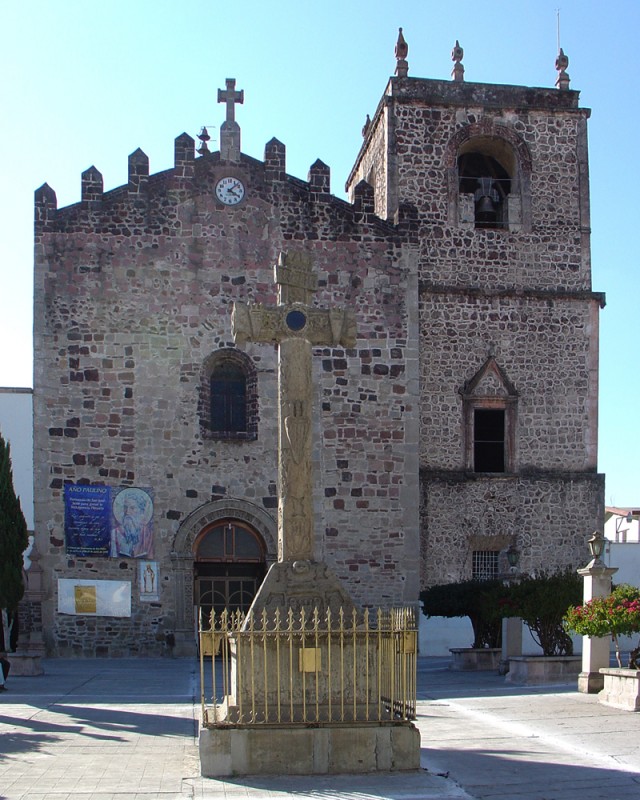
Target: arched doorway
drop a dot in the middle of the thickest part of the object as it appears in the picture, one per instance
(229, 566)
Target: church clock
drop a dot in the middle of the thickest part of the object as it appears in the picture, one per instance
(230, 191)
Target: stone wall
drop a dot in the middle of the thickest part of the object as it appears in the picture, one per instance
(134, 290)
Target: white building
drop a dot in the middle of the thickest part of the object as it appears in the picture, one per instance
(622, 525)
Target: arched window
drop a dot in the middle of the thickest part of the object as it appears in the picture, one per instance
(228, 396)
(485, 179)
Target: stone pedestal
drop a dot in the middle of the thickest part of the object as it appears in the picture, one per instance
(595, 650)
(621, 688)
(319, 749)
(472, 658)
(541, 670)
(25, 664)
(300, 584)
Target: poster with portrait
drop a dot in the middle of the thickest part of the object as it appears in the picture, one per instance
(87, 520)
(94, 598)
(148, 581)
(132, 523)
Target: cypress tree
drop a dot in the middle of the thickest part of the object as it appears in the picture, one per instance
(13, 541)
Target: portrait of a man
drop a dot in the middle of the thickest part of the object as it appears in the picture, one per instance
(132, 529)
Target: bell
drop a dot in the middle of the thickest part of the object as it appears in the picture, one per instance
(486, 214)
(485, 206)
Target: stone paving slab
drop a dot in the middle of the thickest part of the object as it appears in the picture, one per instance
(127, 730)
(547, 743)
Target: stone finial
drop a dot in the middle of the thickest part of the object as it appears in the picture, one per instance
(366, 126)
(457, 54)
(562, 62)
(402, 50)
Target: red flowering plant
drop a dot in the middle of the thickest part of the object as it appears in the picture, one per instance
(615, 615)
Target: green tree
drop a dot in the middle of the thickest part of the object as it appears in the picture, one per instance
(476, 599)
(542, 601)
(13, 542)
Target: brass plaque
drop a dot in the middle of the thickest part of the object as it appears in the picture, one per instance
(309, 659)
(85, 599)
(408, 642)
(210, 643)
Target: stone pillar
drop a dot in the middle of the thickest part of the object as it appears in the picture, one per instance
(184, 625)
(595, 650)
(511, 642)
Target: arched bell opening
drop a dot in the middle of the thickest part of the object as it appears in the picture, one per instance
(484, 177)
(229, 566)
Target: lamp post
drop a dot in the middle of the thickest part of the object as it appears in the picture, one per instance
(511, 626)
(597, 583)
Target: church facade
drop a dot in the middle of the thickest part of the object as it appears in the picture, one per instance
(462, 422)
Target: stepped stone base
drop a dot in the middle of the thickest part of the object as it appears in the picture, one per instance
(318, 750)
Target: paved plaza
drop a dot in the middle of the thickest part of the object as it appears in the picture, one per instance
(127, 730)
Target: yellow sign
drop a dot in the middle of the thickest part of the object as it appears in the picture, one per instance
(86, 599)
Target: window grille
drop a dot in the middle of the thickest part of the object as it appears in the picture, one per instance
(484, 565)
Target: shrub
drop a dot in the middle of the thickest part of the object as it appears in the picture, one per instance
(615, 615)
(478, 600)
(542, 601)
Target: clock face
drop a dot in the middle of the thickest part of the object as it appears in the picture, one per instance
(230, 191)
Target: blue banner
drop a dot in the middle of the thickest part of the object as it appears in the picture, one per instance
(87, 520)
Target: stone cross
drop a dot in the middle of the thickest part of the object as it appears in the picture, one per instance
(231, 97)
(230, 130)
(295, 326)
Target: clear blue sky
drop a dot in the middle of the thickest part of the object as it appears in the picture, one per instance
(88, 82)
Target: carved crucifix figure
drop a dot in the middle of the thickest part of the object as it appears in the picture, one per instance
(295, 326)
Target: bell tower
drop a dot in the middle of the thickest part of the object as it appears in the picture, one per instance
(493, 182)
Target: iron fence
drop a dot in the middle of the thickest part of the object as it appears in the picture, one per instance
(300, 667)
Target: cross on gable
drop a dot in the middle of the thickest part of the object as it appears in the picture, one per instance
(231, 97)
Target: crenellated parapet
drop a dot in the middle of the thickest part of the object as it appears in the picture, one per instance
(46, 205)
(184, 160)
(92, 186)
(138, 172)
(194, 179)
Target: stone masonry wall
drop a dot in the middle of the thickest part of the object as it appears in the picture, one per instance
(545, 350)
(547, 516)
(133, 293)
(522, 295)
